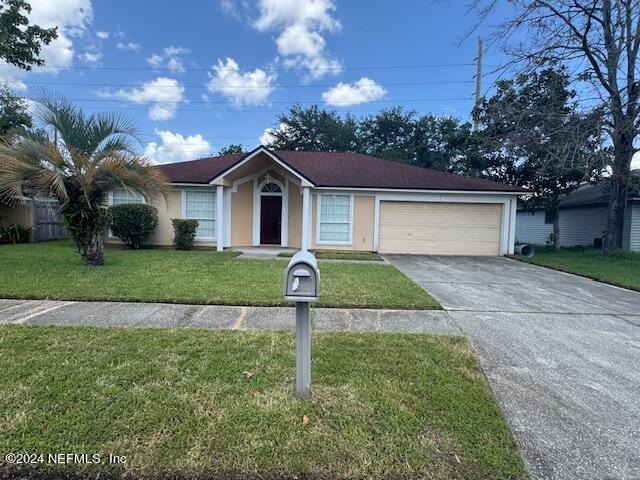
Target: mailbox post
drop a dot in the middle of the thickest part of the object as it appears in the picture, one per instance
(302, 285)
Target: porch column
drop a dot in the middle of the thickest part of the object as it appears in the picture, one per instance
(219, 218)
(306, 220)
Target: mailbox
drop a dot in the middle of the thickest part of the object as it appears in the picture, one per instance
(302, 278)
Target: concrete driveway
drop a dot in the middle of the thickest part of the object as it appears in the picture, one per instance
(561, 352)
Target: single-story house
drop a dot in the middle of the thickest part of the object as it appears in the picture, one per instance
(335, 201)
(583, 219)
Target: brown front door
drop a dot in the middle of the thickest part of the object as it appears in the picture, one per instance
(270, 219)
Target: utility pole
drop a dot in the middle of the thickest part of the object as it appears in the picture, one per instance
(478, 78)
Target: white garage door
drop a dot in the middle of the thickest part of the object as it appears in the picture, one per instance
(440, 228)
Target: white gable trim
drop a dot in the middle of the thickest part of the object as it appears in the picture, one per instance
(303, 180)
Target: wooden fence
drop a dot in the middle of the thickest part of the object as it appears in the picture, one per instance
(48, 223)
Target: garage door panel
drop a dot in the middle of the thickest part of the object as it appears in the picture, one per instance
(440, 228)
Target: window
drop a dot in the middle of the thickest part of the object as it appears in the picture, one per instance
(334, 219)
(201, 206)
(271, 188)
(121, 195)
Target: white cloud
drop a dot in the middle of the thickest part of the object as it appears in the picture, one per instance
(250, 87)
(300, 41)
(71, 17)
(268, 135)
(163, 94)
(134, 47)
(312, 13)
(175, 147)
(90, 57)
(171, 58)
(362, 91)
(103, 35)
(635, 161)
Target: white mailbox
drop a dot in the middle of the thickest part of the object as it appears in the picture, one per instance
(302, 285)
(302, 278)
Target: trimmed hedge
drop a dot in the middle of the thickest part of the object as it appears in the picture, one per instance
(132, 222)
(184, 233)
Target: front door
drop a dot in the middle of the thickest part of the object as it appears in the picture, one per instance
(270, 219)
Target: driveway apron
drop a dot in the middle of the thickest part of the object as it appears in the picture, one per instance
(561, 353)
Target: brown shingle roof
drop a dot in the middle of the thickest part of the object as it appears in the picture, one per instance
(199, 171)
(341, 169)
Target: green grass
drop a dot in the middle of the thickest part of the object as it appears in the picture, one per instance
(383, 405)
(339, 255)
(53, 270)
(621, 269)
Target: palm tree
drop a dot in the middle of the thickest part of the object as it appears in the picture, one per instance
(92, 154)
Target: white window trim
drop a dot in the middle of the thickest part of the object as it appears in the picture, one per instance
(184, 214)
(257, 209)
(319, 206)
(110, 198)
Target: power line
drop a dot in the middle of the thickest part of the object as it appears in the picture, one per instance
(253, 87)
(302, 69)
(279, 102)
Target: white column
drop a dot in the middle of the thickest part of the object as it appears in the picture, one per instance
(220, 218)
(512, 224)
(504, 227)
(306, 220)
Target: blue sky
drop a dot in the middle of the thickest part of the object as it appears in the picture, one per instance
(198, 75)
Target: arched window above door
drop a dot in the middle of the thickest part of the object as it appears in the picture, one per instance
(271, 188)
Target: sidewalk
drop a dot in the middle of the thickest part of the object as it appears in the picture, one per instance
(125, 314)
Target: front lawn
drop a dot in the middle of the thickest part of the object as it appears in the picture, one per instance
(53, 270)
(383, 405)
(621, 269)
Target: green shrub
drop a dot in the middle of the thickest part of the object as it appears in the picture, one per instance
(185, 233)
(15, 234)
(132, 222)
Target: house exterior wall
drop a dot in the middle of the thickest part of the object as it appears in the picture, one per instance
(530, 228)
(634, 228)
(167, 210)
(363, 220)
(242, 215)
(295, 216)
(579, 226)
(20, 213)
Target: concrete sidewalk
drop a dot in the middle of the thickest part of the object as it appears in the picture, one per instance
(163, 315)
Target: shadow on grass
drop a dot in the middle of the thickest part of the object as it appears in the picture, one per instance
(11, 472)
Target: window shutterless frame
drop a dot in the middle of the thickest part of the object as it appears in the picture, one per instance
(211, 193)
(319, 222)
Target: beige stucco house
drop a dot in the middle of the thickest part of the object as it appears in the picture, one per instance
(334, 201)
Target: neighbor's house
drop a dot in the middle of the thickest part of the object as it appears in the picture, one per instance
(583, 219)
(336, 201)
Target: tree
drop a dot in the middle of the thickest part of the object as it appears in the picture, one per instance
(440, 142)
(313, 129)
(92, 156)
(233, 148)
(548, 145)
(390, 134)
(20, 43)
(428, 141)
(601, 41)
(13, 112)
